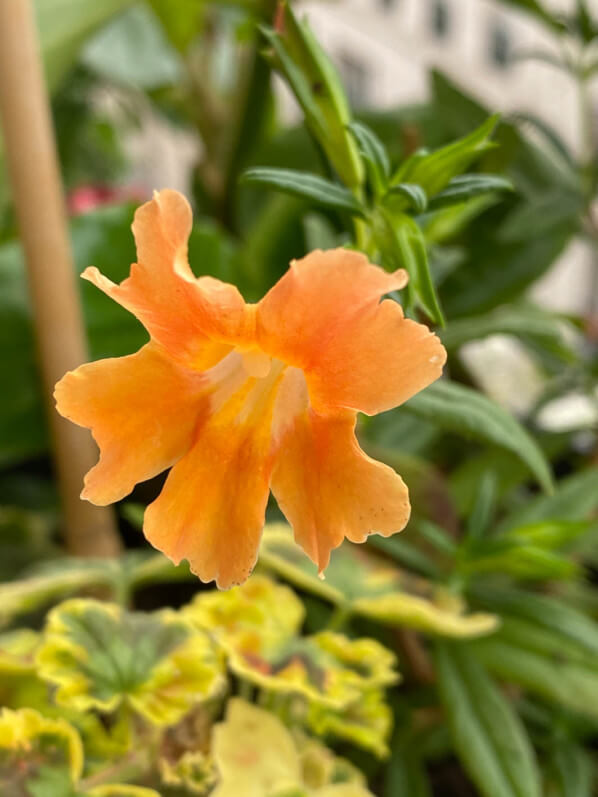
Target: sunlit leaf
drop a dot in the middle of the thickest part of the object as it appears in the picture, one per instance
(99, 656)
(17, 650)
(193, 773)
(365, 584)
(366, 723)
(257, 625)
(256, 756)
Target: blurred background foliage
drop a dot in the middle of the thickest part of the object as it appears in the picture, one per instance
(458, 658)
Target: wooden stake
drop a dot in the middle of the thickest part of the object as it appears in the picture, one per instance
(37, 191)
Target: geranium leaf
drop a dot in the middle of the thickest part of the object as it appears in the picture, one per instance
(38, 756)
(366, 585)
(257, 625)
(98, 655)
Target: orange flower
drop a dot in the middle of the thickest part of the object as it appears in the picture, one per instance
(241, 398)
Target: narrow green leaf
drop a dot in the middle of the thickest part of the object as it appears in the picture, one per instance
(465, 411)
(488, 736)
(574, 499)
(523, 321)
(545, 612)
(467, 186)
(543, 662)
(434, 171)
(414, 194)
(374, 154)
(403, 246)
(538, 10)
(319, 90)
(571, 771)
(307, 186)
(483, 508)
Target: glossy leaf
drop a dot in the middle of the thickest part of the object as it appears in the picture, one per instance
(464, 411)
(374, 155)
(366, 585)
(306, 186)
(99, 656)
(413, 194)
(468, 186)
(488, 736)
(403, 245)
(318, 89)
(434, 171)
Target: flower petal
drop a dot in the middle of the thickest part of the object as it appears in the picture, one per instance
(211, 510)
(329, 489)
(142, 410)
(324, 316)
(196, 320)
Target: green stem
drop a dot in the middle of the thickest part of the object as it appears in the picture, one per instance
(339, 618)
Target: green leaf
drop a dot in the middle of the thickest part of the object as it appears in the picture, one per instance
(537, 10)
(318, 89)
(575, 498)
(523, 321)
(374, 154)
(120, 790)
(435, 171)
(545, 612)
(99, 656)
(403, 245)
(133, 50)
(102, 237)
(306, 186)
(364, 584)
(467, 186)
(464, 411)
(28, 594)
(489, 737)
(192, 773)
(366, 723)
(256, 755)
(181, 21)
(40, 757)
(257, 626)
(570, 771)
(414, 194)
(64, 25)
(544, 661)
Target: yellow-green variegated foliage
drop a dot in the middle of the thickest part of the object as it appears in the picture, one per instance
(99, 656)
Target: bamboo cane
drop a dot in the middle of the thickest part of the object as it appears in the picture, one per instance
(36, 186)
